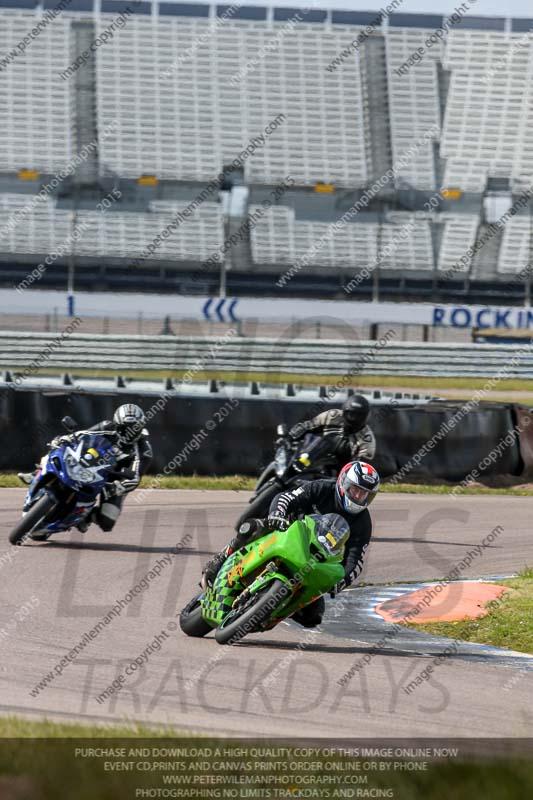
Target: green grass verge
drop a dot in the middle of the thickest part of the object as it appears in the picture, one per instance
(509, 622)
(228, 482)
(245, 483)
(12, 727)
(48, 768)
(432, 384)
(207, 482)
(424, 488)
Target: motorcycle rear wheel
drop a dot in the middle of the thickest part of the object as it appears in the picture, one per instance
(191, 620)
(253, 615)
(32, 519)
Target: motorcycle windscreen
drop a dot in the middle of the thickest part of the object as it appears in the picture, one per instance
(88, 460)
(97, 450)
(332, 531)
(317, 446)
(313, 451)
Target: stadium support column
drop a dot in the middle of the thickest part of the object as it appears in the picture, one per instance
(527, 287)
(373, 66)
(84, 87)
(377, 127)
(85, 133)
(443, 80)
(234, 196)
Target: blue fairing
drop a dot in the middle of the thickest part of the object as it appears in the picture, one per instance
(74, 474)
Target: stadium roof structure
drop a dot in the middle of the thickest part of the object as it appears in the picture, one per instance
(279, 14)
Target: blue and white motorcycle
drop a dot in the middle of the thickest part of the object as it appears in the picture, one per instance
(66, 486)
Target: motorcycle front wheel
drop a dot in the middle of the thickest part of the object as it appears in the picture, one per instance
(256, 611)
(32, 520)
(268, 473)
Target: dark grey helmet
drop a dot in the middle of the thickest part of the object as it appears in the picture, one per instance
(355, 410)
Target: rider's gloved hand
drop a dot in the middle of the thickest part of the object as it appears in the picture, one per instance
(57, 441)
(297, 431)
(129, 484)
(278, 523)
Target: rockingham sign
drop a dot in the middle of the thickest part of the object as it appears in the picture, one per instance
(483, 317)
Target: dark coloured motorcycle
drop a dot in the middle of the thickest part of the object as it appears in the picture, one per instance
(294, 463)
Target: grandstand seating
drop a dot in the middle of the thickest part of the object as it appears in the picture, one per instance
(186, 113)
(352, 245)
(42, 228)
(272, 238)
(186, 92)
(458, 236)
(485, 129)
(36, 107)
(189, 92)
(407, 245)
(278, 238)
(515, 251)
(45, 229)
(414, 104)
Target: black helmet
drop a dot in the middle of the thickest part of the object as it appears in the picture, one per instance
(355, 411)
(130, 421)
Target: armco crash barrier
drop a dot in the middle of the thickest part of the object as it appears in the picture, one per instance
(192, 433)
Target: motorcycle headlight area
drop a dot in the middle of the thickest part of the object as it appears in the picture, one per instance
(77, 471)
(281, 462)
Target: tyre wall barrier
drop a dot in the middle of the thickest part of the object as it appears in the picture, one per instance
(222, 434)
(524, 424)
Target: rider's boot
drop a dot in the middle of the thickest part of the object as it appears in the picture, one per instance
(210, 570)
(25, 477)
(311, 615)
(248, 530)
(85, 523)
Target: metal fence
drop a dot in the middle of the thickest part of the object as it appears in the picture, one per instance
(29, 353)
(177, 325)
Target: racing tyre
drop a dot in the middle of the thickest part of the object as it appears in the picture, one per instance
(249, 617)
(32, 520)
(268, 473)
(191, 621)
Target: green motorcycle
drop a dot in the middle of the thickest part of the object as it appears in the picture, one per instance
(270, 579)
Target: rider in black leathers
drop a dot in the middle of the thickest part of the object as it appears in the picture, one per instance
(349, 496)
(347, 428)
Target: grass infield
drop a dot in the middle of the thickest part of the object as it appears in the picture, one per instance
(509, 622)
(430, 385)
(245, 483)
(38, 761)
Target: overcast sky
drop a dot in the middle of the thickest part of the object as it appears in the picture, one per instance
(486, 8)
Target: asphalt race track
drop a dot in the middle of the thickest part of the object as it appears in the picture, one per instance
(287, 682)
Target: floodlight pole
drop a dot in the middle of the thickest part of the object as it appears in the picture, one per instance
(72, 262)
(375, 271)
(527, 292)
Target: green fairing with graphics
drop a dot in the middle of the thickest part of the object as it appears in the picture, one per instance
(270, 579)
